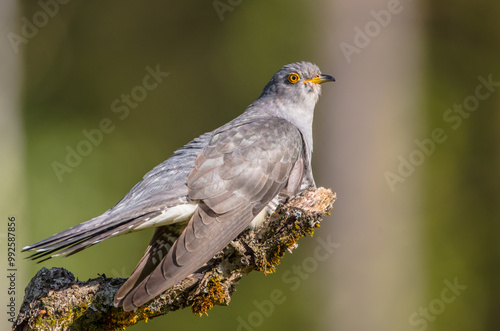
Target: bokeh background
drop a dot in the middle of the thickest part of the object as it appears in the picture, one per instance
(417, 215)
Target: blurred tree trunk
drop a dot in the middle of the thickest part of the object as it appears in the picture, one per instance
(372, 118)
(11, 168)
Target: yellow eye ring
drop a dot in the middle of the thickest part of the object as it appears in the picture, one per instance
(293, 78)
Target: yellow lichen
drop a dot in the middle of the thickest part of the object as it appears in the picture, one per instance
(206, 301)
(124, 319)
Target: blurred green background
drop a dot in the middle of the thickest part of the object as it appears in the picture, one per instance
(401, 244)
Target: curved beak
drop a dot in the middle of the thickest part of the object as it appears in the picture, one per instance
(320, 79)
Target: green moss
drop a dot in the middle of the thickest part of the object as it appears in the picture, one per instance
(47, 320)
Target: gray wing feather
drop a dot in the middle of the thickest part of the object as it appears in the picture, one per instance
(239, 172)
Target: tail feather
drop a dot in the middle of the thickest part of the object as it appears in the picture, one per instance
(163, 239)
(82, 236)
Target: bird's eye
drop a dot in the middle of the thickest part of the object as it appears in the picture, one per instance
(293, 78)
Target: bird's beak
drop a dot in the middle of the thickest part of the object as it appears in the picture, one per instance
(320, 79)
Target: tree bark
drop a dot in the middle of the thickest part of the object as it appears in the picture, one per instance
(55, 300)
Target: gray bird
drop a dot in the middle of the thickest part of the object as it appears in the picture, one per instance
(219, 184)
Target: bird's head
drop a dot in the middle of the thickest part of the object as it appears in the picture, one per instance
(298, 82)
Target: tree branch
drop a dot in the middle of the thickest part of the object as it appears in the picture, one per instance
(55, 300)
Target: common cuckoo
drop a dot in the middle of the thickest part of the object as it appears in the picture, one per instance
(218, 184)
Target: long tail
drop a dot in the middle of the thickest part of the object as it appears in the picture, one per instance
(84, 235)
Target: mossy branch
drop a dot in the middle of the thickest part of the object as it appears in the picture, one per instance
(55, 300)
